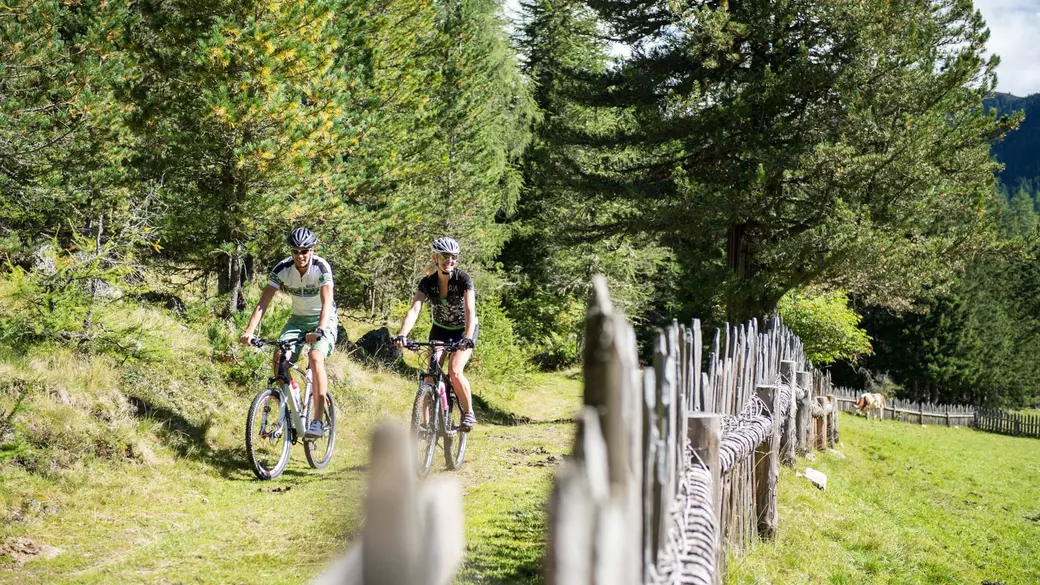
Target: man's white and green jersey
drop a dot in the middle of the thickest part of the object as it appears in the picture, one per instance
(304, 289)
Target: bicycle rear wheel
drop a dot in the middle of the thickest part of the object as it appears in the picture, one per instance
(454, 439)
(267, 435)
(319, 451)
(424, 427)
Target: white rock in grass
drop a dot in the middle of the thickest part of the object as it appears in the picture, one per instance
(836, 453)
(818, 478)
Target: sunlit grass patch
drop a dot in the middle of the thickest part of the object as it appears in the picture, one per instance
(908, 504)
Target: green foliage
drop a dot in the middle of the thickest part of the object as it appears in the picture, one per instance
(1016, 150)
(75, 299)
(974, 345)
(826, 324)
(817, 143)
(499, 356)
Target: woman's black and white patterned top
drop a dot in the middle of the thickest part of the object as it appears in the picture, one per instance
(450, 312)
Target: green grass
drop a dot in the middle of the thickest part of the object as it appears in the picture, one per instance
(191, 512)
(907, 505)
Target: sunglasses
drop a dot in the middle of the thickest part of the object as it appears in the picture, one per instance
(300, 251)
(447, 256)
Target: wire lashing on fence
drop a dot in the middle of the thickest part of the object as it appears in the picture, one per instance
(742, 433)
(689, 555)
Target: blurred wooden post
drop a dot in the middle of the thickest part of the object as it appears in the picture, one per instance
(789, 438)
(391, 538)
(651, 440)
(947, 415)
(767, 468)
(705, 433)
(920, 412)
(804, 415)
(611, 372)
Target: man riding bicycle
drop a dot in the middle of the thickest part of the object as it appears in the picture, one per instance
(307, 278)
(453, 306)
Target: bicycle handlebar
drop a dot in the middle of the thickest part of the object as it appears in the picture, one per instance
(417, 345)
(282, 345)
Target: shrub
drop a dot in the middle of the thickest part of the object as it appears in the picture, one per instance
(826, 324)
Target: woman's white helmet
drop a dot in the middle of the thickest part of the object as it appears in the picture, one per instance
(445, 245)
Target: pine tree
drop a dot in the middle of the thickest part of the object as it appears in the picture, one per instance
(837, 143)
(242, 108)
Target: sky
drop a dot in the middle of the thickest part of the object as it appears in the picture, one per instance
(1014, 27)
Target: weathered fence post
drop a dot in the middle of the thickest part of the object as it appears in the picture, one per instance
(401, 518)
(832, 436)
(705, 432)
(664, 364)
(820, 431)
(804, 415)
(651, 454)
(611, 372)
(390, 539)
(767, 468)
(788, 440)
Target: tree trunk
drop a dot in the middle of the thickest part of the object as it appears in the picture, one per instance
(230, 276)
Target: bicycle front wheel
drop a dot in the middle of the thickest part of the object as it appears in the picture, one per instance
(424, 427)
(454, 438)
(267, 435)
(319, 451)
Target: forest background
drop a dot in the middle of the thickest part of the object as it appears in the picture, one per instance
(836, 163)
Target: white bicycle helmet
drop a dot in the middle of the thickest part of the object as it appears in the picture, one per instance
(302, 238)
(445, 245)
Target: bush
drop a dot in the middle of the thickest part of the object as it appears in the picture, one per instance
(552, 325)
(826, 324)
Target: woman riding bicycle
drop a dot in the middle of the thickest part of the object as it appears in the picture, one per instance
(453, 306)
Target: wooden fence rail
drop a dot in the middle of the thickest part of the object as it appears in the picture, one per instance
(688, 449)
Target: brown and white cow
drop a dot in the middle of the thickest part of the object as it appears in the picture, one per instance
(872, 403)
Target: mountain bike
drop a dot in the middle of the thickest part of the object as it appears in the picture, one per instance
(436, 412)
(279, 415)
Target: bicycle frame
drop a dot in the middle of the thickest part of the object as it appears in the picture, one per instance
(297, 405)
(441, 382)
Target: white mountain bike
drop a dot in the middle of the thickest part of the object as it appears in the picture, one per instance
(281, 412)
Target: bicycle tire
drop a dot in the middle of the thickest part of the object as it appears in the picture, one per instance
(425, 435)
(454, 439)
(262, 441)
(318, 452)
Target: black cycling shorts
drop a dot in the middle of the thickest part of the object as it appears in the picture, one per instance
(438, 333)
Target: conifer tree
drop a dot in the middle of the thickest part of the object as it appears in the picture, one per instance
(241, 108)
(839, 143)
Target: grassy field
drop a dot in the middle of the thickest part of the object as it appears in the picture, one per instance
(907, 505)
(191, 511)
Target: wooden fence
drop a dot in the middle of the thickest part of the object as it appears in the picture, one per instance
(671, 464)
(985, 419)
(689, 454)
(916, 412)
(1007, 423)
